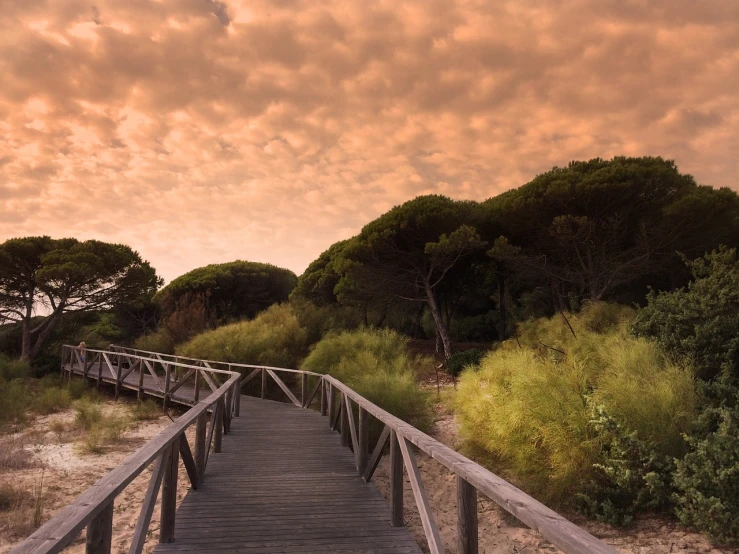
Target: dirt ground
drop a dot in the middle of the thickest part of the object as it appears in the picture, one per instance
(66, 473)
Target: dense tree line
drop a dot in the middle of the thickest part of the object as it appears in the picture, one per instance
(433, 267)
(596, 230)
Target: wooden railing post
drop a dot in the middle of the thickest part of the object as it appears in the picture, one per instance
(363, 440)
(218, 426)
(344, 422)
(140, 393)
(396, 482)
(169, 493)
(323, 397)
(331, 407)
(200, 446)
(237, 392)
(196, 396)
(100, 532)
(100, 372)
(466, 517)
(227, 411)
(167, 372)
(264, 383)
(118, 377)
(303, 389)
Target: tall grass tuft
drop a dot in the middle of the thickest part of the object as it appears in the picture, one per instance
(274, 338)
(148, 410)
(532, 407)
(378, 365)
(52, 399)
(88, 414)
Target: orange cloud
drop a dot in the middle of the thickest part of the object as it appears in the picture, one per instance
(202, 131)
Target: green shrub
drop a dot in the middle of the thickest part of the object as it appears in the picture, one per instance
(14, 400)
(88, 414)
(146, 411)
(632, 476)
(113, 429)
(274, 338)
(463, 360)
(78, 388)
(378, 366)
(700, 321)
(707, 477)
(532, 407)
(52, 399)
(13, 369)
(332, 351)
(158, 341)
(92, 442)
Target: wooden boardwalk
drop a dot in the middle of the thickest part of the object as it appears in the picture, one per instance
(269, 477)
(283, 483)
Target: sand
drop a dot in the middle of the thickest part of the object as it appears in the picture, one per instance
(67, 473)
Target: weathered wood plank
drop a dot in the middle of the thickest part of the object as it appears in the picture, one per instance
(100, 532)
(283, 386)
(169, 494)
(376, 454)
(467, 538)
(422, 501)
(147, 508)
(187, 459)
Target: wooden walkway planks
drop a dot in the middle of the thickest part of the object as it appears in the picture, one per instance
(283, 483)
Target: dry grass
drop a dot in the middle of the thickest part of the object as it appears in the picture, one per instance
(148, 410)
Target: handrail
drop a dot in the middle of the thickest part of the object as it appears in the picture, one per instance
(94, 508)
(230, 364)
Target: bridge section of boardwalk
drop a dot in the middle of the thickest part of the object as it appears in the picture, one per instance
(278, 477)
(284, 484)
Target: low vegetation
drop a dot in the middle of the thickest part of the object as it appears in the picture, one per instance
(378, 365)
(562, 412)
(274, 338)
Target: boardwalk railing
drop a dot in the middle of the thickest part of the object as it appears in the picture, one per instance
(94, 508)
(347, 412)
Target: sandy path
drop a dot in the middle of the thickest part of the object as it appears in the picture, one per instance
(501, 533)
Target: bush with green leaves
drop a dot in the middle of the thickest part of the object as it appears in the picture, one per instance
(633, 475)
(377, 364)
(273, 338)
(13, 369)
(463, 360)
(707, 477)
(531, 407)
(699, 321)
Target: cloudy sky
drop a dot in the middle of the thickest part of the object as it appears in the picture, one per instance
(203, 131)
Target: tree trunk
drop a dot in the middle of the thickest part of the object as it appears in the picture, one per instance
(45, 334)
(26, 339)
(441, 327)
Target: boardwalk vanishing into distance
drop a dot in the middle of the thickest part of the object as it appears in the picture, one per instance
(269, 476)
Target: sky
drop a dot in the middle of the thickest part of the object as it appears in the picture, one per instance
(205, 131)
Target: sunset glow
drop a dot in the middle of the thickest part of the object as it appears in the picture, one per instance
(204, 131)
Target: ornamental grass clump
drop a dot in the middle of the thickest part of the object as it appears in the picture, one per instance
(557, 412)
(378, 365)
(273, 338)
